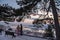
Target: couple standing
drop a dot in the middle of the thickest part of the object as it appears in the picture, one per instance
(18, 30)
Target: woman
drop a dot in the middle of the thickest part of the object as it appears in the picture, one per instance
(18, 30)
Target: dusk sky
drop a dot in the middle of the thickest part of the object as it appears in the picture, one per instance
(10, 3)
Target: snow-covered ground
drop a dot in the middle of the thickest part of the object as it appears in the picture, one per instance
(30, 21)
(3, 37)
(14, 25)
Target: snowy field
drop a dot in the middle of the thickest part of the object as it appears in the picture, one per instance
(3, 37)
(14, 25)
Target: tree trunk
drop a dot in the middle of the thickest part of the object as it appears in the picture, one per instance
(52, 3)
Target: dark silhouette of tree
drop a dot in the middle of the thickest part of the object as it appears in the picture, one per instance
(52, 3)
(6, 11)
(27, 5)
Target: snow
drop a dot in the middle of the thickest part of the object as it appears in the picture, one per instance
(2, 23)
(30, 21)
(4, 37)
(14, 25)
